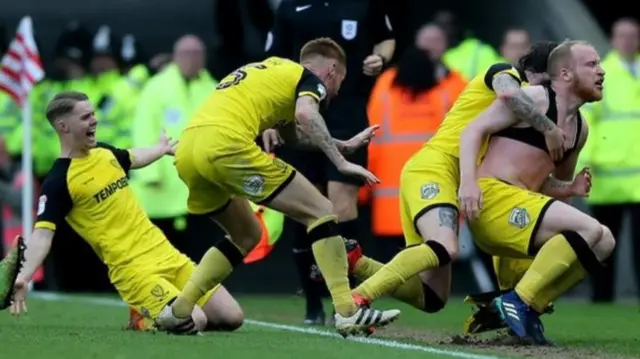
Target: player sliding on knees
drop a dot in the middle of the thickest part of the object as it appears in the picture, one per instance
(222, 166)
(421, 274)
(88, 187)
(507, 217)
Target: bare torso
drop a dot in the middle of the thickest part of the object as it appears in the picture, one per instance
(521, 164)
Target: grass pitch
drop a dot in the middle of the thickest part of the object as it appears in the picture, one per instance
(70, 327)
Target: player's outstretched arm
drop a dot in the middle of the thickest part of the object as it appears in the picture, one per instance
(34, 255)
(312, 124)
(37, 250)
(142, 157)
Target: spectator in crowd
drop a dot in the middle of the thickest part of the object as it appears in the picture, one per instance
(122, 100)
(361, 28)
(408, 101)
(166, 103)
(466, 54)
(105, 69)
(613, 150)
(515, 43)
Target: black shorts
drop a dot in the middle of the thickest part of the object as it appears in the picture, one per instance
(345, 117)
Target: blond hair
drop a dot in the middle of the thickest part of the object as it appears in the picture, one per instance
(562, 56)
(324, 47)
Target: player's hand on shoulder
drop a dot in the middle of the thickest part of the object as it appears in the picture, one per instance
(19, 303)
(351, 169)
(372, 65)
(361, 139)
(470, 199)
(167, 144)
(581, 185)
(555, 141)
(271, 140)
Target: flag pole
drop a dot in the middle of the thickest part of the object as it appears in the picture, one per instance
(27, 170)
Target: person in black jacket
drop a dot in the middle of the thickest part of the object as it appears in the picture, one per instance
(362, 28)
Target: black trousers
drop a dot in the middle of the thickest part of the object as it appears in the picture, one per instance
(612, 216)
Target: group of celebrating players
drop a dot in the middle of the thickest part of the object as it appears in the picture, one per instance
(505, 156)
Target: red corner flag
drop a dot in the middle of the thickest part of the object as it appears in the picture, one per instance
(21, 67)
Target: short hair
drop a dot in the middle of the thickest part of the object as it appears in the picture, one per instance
(536, 58)
(561, 56)
(324, 47)
(63, 104)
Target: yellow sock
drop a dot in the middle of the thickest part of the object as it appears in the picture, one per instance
(554, 259)
(366, 267)
(214, 267)
(410, 292)
(509, 271)
(399, 270)
(563, 284)
(331, 257)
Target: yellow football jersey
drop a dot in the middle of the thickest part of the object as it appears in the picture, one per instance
(93, 195)
(476, 97)
(258, 96)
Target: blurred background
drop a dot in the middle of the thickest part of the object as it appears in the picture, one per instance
(120, 52)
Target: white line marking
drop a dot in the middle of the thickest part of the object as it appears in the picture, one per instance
(290, 328)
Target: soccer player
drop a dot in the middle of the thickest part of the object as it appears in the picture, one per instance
(9, 269)
(507, 217)
(429, 184)
(223, 167)
(88, 186)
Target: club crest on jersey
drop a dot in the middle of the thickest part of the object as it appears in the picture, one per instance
(254, 185)
(429, 190)
(158, 291)
(42, 203)
(322, 91)
(349, 29)
(519, 217)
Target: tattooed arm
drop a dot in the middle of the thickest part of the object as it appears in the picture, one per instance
(523, 106)
(558, 189)
(313, 126)
(293, 133)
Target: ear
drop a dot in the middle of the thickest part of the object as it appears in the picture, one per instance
(61, 126)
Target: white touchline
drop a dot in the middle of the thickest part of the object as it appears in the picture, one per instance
(291, 328)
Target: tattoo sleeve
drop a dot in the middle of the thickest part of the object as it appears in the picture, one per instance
(311, 129)
(520, 104)
(556, 188)
(296, 136)
(448, 218)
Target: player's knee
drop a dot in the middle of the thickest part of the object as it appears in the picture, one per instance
(584, 251)
(231, 320)
(606, 244)
(591, 232)
(250, 235)
(445, 253)
(312, 214)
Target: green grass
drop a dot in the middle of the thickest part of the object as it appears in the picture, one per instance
(74, 327)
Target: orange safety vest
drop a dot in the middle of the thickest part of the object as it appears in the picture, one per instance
(13, 224)
(405, 125)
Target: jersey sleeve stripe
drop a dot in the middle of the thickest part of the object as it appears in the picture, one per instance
(309, 93)
(45, 225)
